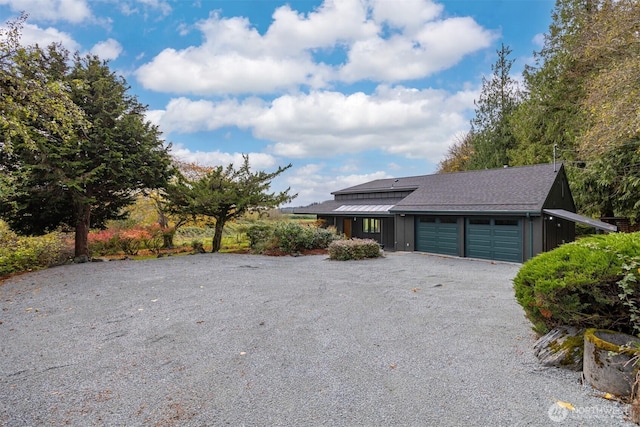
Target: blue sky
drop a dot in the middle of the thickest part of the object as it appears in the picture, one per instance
(345, 90)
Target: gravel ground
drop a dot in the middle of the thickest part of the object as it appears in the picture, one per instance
(242, 340)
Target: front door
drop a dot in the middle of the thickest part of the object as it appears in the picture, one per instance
(346, 227)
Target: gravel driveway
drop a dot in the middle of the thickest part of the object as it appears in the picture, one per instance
(243, 340)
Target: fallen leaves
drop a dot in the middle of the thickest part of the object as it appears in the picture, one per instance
(565, 405)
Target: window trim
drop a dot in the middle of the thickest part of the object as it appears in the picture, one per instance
(371, 225)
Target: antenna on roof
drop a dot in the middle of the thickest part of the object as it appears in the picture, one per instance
(554, 157)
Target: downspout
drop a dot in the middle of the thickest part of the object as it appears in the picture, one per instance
(530, 235)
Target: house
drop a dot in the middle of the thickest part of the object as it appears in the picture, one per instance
(506, 214)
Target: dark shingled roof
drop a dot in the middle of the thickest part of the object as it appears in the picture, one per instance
(522, 188)
(513, 189)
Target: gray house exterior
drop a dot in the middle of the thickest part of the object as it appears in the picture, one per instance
(507, 214)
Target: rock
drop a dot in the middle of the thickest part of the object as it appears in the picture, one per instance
(563, 347)
(81, 259)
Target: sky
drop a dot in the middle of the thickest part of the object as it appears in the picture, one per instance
(347, 91)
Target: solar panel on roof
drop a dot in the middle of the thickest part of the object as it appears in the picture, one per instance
(363, 208)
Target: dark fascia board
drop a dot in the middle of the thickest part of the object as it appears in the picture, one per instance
(466, 213)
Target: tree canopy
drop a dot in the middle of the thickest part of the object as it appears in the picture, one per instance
(491, 134)
(580, 101)
(85, 167)
(224, 193)
(33, 103)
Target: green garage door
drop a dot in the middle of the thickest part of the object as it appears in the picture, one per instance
(437, 235)
(494, 238)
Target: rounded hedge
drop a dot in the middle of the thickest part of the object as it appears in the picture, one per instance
(354, 249)
(581, 284)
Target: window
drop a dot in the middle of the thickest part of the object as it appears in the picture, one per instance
(477, 221)
(447, 220)
(509, 222)
(371, 225)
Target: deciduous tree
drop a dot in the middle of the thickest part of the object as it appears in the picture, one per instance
(611, 43)
(459, 155)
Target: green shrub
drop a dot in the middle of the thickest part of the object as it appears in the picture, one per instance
(191, 232)
(293, 237)
(18, 254)
(260, 237)
(580, 284)
(322, 237)
(288, 237)
(343, 250)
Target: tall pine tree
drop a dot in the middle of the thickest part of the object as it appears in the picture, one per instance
(491, 133)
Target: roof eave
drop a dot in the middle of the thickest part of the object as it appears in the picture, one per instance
(531, 212)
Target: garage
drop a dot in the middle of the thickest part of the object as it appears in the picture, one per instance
(494, 238)
(507, 214)
(437, 235)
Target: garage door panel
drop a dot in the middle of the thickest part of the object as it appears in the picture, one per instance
(436, 236)
(496, 238)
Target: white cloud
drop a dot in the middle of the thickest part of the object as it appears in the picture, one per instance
(406, 14)
(436, 47)
(108, 50)
(538, 40)
(257, 161)
(128, 8)
(73, 11)
(333, 23)
(32, 34)
(160, 5)
(184, 115)
(314, 183)
(408, 122)
(235, 58)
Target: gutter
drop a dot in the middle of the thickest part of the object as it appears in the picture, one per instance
(466, 213)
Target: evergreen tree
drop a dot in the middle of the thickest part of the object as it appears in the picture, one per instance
(551, 113)
(491, 133)
(34, 101)
(87, 177)
(223, 194)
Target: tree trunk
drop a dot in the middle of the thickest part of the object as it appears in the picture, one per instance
(217, 236)
(83, 213)
(167, 235)
(167, 239)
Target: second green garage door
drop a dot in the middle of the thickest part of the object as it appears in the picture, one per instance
(437, 235)
(494, 238)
